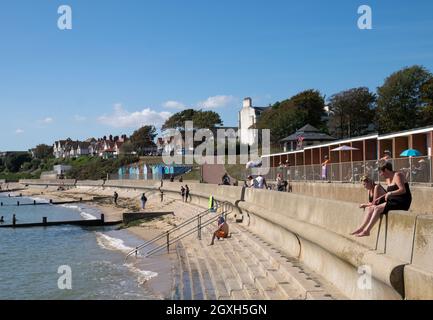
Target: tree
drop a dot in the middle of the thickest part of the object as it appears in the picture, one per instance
(127, 148)
(143, 138)
(426, 113)
(43, 151)
(206, 119)
(285, 117)
(14, 161)
(352, 112)
(178, 119)
(201, 119)
(400, 100)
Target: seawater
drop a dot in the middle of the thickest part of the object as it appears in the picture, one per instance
(30, 258)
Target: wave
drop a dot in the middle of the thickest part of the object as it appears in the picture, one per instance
(85, 215)
(110, 243)
(39, 200)
(143, 275)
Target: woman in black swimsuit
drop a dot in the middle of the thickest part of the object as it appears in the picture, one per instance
(375, 192)
(398, 196)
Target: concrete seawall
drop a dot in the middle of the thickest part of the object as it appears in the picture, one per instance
(313, 224)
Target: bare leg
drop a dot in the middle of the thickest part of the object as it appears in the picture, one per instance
(367, 216)
(213, 238)
(374, 218)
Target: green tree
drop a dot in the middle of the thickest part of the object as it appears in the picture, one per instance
(426, 113)
(352, 112)
(206, 119)
(400, 100)
(285, 117)
(43, 151)
(178, 119)
(143, 138)
(201, 119)
(15, 161)
(127, 148)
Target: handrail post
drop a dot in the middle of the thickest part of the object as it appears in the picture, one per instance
(198, 227)
(168, 242)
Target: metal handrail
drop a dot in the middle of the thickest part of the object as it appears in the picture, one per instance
(183, 224)
(186, 234)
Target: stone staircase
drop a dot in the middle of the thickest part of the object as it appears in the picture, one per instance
(243, 267)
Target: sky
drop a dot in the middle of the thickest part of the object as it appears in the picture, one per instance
(130, 63)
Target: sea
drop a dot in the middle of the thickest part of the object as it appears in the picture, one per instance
(69, 262)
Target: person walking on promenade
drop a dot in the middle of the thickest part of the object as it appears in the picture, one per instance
(186, 193)
(182, 193)
(375, 192)
(397, 197)
(115, 197)
(143, 201)
(222, 231)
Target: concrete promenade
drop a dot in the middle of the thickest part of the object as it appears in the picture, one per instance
(308, 228)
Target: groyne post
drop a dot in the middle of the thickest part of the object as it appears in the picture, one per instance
(44, 220)
(102, 218)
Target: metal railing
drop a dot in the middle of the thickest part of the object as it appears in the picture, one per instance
(417, 170)
(220, 208)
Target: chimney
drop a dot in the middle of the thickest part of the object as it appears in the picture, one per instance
(248, 103)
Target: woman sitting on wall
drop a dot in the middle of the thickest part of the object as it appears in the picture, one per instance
(375, 191)
(398, 197)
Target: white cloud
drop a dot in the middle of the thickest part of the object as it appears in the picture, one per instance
(174, 105)
(79, 118)
(216, 102)
(121, 118)
(47, 120)
(19, 131)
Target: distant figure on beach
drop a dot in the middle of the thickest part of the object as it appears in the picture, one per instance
(171, 178)
(397, 197)
(161, 194)
(182, 193)
(325, 168)
(2, 219)
(14, 219)
(186, 193)
(222, 231)
(375, 192)
(143, 201)
(181, 179)
(115, 196)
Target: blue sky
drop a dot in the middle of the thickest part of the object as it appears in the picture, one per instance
(127, 63)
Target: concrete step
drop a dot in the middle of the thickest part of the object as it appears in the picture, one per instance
(196, 284)
(176, 293)
(184, 271)
(208, 288)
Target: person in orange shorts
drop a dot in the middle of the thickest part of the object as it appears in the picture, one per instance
(222, 231)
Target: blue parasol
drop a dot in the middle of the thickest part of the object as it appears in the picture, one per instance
(410, 153)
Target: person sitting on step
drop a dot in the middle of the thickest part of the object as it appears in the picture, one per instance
(222, 231)
(375, 191)
(398, 197)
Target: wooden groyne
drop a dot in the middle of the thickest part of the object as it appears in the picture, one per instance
(82, 223)
(51, 202)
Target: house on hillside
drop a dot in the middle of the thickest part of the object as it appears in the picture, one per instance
(247, 119)
(306, 136)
